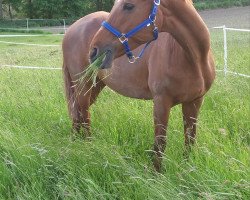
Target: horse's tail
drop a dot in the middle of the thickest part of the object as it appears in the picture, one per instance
(70, 94)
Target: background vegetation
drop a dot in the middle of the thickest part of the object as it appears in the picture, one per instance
(50, 9)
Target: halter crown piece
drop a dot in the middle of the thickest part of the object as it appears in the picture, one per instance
(123, 37)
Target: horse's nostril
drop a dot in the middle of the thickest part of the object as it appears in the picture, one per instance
(93, 54)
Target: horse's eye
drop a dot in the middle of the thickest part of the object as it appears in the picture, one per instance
(128, 6)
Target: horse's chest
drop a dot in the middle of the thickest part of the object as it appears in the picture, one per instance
(179, 87)
(130, 83)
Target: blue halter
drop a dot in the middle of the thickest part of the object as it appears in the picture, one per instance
(123, 37)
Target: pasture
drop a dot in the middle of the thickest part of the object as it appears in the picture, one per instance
(38, 159)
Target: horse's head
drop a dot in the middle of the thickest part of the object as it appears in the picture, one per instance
(120, 27)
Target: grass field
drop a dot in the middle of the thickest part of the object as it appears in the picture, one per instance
(38, 160)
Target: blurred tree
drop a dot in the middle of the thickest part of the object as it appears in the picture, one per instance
(28, 8)
(11, 5)
(99, 4)
(108, 4)
(78, 8)
(54, 8)
(1, 9)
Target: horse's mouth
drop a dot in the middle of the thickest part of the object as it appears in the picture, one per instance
(107, 60)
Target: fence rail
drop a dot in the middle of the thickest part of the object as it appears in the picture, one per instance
(225, 29)
(225, 53)
(36, 24)
(231, 29)
(35, 35)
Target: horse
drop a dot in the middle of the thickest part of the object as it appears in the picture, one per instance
(178, 68)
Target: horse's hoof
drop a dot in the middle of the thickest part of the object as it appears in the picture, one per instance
(88, 138)
(75, 135)
(186, 153)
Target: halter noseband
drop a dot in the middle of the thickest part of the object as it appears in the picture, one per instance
(123, 37)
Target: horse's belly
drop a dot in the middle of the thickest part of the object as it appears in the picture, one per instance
(132, 92)
(127, 80)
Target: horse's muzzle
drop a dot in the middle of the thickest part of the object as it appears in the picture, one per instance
(108, 52)
(93, 54)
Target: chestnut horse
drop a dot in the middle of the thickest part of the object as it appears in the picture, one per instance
(178, 68)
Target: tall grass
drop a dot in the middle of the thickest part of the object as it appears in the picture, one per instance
(38, 160)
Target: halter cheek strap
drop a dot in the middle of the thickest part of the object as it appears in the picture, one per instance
(123, 37)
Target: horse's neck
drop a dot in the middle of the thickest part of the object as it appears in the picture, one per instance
(186, 26)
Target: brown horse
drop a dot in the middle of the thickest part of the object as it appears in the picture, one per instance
(176, 69)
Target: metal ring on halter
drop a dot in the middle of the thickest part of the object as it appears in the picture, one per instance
(157, 3)
(155, 27)
(153, 20)
(123, 38)
(132, 60)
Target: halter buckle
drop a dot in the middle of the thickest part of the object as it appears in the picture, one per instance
(132, 60)
(123, 38)
(153, 20)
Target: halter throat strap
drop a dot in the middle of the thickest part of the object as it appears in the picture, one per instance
(124, 37)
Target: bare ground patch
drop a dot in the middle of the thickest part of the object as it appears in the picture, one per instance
(236, 17)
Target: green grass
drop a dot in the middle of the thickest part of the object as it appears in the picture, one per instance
(38, 160)
(13, 54)
(2, 30)
(238, 50)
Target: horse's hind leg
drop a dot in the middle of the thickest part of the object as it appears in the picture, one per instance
(190, 112)
(73, 107)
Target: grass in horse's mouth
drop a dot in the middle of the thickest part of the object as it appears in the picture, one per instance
(89, 75)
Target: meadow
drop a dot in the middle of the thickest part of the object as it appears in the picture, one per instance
(38, 159)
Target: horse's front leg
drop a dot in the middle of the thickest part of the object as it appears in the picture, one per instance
(190, 112)
(162, 106)
(85, 98)
(83, 101)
